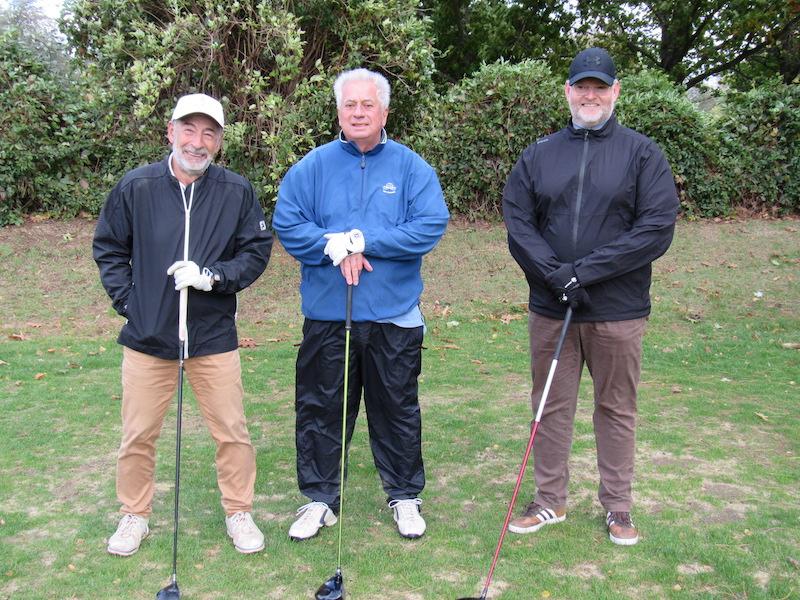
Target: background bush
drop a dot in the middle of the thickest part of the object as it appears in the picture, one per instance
(760, 134)
(654, 106)
(481, 127)
(67, 137)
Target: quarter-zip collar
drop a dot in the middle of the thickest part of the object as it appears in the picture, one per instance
(352, 148)
(605, 131)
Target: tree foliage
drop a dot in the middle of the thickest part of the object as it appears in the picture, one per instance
(691, 40)
(470, 33)
(271, 63)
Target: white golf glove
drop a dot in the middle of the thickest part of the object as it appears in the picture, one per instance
(340, 245)
(187, 273)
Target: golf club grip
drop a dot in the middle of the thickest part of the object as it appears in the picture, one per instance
(182, 310)
(348, 311)
(563, 336)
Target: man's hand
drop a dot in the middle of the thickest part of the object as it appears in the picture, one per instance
(352, 266)
(565, 285)
(187, 273)
(341, 245)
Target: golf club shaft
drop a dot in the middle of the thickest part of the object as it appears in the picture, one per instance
(182, 336)
(534, 428)
(347, 326)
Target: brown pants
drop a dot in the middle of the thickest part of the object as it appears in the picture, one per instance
(148, 387)
(612, 351)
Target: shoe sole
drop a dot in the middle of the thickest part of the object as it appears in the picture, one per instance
(533, 528)
(623, 541)
(412, 536)
(249, 551)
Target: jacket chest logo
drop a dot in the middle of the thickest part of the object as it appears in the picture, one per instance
(389, 188)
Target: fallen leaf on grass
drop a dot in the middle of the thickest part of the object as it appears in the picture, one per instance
(33, 325)
(247, 343)
(794, 562)
(447, 347)
(16, 336)
(791, 345)
(762, 417)
(475, 361)
(2, 362)
(71, 567)
(676, 389)
(506, 319)
(39, 376)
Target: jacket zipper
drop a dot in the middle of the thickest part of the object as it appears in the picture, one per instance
(579, 199)
(363, 177)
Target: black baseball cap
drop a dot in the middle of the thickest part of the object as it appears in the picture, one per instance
(592, 62)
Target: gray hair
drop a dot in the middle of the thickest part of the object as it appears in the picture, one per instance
(384, 92)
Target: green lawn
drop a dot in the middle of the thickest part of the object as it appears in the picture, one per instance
(718, 455)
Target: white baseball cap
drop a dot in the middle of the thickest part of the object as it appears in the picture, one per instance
(199, 103)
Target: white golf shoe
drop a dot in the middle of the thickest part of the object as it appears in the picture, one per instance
(132, 529)
(313, 517)
(409, 521)
(247, 537)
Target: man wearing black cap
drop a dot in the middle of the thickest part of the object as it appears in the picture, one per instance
(588, 209)
(182, 223)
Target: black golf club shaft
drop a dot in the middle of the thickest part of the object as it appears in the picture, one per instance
(348, 312)
(534, 428)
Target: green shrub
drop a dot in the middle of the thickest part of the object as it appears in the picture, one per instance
(271, 64)
(760, 132)
(482, 126)
(45, 146)
(654, 106)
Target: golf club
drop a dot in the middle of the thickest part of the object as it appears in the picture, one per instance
(534, 428)
(333, 588)
(172, 592)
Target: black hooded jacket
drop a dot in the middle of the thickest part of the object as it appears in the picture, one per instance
(140, 234)
(602, 200)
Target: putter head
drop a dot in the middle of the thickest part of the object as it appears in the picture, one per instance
(332, 589)
(171, 592)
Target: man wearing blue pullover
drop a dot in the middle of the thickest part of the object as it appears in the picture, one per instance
(361, 210)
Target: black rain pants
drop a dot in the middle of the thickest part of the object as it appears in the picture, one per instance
(385, 362)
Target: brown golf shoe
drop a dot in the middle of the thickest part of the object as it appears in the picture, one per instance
(621, 529)
(535, 517)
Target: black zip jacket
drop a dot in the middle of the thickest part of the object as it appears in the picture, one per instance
(602, 200)
(140, 234)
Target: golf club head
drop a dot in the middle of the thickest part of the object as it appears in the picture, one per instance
(171, 592)
(332, 589)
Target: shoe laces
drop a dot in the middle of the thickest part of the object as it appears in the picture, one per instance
(620, 518)
(126, 525)
(306, 512)
(406, 509)
(242, 522)
(532, 509)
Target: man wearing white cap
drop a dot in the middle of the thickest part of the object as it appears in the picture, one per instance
(144, 258)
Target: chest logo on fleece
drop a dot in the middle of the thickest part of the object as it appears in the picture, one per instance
(389, 188)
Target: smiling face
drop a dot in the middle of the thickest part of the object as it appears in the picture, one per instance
(196, 139)
(361, 115)
(591, 101)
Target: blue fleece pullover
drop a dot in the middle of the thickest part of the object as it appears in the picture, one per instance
(392, 195)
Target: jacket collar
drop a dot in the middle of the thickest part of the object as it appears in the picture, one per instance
(606, 130)
(352, 148)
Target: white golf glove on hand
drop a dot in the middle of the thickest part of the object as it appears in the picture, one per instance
(341, 245)
(187, 273)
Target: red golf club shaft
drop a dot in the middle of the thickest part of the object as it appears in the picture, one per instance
(534, 428)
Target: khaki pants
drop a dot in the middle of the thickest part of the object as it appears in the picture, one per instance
(148, 387)
(612, 351)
